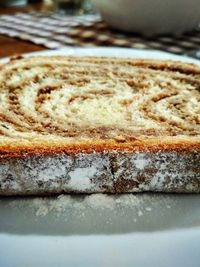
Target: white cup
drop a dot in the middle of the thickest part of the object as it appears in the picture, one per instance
(150, 16)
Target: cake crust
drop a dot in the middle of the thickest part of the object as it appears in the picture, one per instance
(18, 151)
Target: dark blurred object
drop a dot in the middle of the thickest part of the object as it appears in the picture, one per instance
(46, 6)
(7, 3)
(194, 54)
(73, 7)
(34, 1)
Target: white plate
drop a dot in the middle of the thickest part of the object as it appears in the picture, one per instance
(100, 230)
(114, 52)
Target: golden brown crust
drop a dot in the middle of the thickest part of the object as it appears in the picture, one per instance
(15, 150)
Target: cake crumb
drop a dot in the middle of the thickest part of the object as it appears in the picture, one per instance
(80, 205)
(148, 209)
(140, 213)
(42, 211)
(101, 201)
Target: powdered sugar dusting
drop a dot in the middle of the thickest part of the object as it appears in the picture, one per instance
(56, 173)
(100, 201)
(139, 204)
(110, 172)
(80, 178)
(99, 214)
(141, 161)
(42, 211)
(157, 172)
(140, 213)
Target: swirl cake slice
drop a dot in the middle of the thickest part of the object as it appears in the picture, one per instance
(85, 124)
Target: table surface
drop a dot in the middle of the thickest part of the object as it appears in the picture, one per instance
(11, 46)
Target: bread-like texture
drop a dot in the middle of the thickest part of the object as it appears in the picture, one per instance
(86, 124)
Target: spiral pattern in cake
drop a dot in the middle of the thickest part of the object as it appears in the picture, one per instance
(83, 98)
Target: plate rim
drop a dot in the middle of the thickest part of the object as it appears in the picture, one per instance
(100, 50)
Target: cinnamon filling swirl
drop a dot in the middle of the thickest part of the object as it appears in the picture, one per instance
(82, 98)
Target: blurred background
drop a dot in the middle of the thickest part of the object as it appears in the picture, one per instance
(60, 6)
(33, 25)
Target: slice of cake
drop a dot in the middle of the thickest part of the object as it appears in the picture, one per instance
(85, 124)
